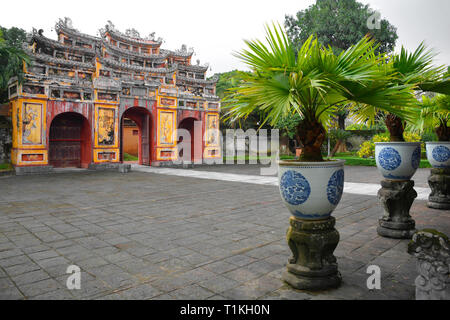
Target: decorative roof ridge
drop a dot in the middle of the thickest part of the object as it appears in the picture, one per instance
(58, 44)
(183, 52)
(130, 35)
(138, 68)
(66, 26)
(192, 67)
(108, 46)
(48, 58)
(213, 80)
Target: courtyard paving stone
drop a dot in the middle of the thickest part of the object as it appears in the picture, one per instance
(153, 236)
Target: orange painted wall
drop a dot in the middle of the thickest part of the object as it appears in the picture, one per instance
(130, 141)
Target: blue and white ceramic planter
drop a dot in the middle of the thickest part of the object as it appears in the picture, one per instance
(397, 161)
(438, 154)
(311, 190)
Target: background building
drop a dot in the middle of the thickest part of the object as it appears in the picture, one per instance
(70, 109)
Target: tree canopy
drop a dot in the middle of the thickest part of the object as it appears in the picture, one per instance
(11, 58)
(228, 80)
(339, 24)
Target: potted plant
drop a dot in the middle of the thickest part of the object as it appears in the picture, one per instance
(398, 160)
(435, 116)
(312, 84)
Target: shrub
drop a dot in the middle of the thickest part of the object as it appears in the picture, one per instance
(368, 147)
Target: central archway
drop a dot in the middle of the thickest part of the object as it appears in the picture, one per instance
(142, 118)
(188, 124)
(70, 141)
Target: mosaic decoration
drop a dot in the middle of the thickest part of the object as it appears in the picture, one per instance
(106, 119)
(212, 130)
(389, 158)
(294, 187)
(31, 131)
(335, 187)
(166, 128)
(441, 153)
(415, 160)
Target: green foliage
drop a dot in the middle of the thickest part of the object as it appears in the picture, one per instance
(13, 36)
(229, 80)
(338, 24)
(313, 82)
(11, 58)
(288, 125)
(339, 134)
(407, 69)
(434, 112)
(367, 149)
(5, 167)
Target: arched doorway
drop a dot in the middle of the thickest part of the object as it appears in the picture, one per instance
(141, 117)
(70, 141)
(188, 124)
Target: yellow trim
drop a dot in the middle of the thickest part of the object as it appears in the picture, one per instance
(97, 151)
(17, 119)
(216, 115)
(174, 128)
(19, 161)
(174, 106)
(174, 154)
(205, 152)
(116, 126)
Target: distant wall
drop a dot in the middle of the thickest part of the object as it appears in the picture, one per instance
(5, 139)
(131, 140)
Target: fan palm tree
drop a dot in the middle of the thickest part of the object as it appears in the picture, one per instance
(434, 115)
(414, 68)
(313, 84)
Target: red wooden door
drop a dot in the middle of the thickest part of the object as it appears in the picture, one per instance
(145, 139)
(65, 142)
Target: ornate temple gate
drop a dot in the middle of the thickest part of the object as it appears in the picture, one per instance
(65, 140)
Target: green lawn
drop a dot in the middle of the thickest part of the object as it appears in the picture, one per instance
(351, 159)
(5, 166)
(129, 157)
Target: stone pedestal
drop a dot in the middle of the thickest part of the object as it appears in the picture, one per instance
(439, 181)
(312, 265)
(397, 198)
(432, 250)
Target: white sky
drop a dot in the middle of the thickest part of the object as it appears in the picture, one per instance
(216, 28)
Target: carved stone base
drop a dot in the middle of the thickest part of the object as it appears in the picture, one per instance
(397, 198)
(439, 182)
(312, 265)
(432, 250)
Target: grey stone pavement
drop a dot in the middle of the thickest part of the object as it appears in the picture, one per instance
(152, 236)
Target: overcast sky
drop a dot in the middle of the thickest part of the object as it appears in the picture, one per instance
(217, 28)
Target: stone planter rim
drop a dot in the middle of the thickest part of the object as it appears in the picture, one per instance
(437, 142)
(297, 163)
(398, 142)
